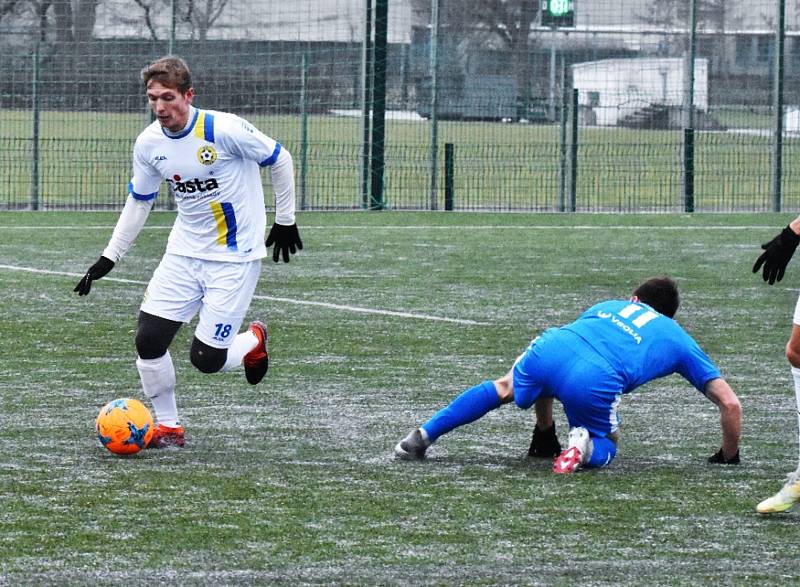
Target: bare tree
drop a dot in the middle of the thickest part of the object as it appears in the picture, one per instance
(9, 8)
(147, 8)
(202, 14)
(74, 19)
(25, 14)
(40, 9)
(84, 14)
(62, 21)
(62, 11)
(196, 17)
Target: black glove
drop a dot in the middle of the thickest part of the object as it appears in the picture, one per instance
(96, 271)
(285, 238)
(776, 255)
(720, 459)
(544, 443)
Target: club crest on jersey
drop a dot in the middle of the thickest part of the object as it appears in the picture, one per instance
(206, 155)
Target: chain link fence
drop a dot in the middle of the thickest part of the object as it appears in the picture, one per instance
(530, 105)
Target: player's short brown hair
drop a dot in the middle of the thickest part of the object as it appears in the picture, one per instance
(661, 294)
(169, 71)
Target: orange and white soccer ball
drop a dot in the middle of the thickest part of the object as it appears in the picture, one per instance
(124, 426)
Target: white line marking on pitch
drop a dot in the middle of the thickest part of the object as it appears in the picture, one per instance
(371, 311)
(330, 306)
(432, 226)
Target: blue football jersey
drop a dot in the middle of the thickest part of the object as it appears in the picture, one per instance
(641, 344)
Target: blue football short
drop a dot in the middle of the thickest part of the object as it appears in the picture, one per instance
(561, 364)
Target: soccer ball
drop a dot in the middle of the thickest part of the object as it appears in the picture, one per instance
(124, 426)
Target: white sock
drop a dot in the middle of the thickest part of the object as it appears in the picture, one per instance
(243, 343)
(425, 438)
(796, 378)
(158, 383)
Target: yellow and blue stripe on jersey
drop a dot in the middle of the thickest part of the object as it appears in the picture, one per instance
(204, 126)
(226, 224)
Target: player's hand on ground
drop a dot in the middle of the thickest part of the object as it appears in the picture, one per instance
(286, 240)
(719, 458)
(776, 255)
(96, 271)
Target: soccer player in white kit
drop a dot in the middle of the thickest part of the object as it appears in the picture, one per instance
(776, 256)
(212, 263)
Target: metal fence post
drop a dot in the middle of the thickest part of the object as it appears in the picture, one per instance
(777, 107)
(366, 101)
(688, 169)
(687, 166)
(379, 105)
(303, 129)
(551, 102)
(35, 106)
(172, 25)
(449, 176)
(688, 69)
(573, 154)
(434, 64)
(562, 140)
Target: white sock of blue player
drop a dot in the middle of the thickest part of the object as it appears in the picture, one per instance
(467, 407)
(158, 383)
(243, 343)
(796, 378)
(603, 452)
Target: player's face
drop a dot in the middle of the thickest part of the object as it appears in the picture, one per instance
(170, 106)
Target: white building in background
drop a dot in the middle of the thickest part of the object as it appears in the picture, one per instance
(612, 89)
(252, 20)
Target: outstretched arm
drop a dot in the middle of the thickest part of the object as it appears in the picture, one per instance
(778, 252)
(130, 223)
(283, 234)
(730, 418)
(128, 227)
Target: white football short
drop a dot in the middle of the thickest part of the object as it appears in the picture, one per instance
(796, 318)
(220, 291)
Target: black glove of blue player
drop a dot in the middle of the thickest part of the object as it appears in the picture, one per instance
(286, 239)
(96, 271)
(720, 459)
(544, 443)
(776, 255)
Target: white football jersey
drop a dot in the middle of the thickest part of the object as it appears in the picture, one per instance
(213, 168)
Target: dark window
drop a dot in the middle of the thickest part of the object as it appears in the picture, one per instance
(764, 47)
(744, 47)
